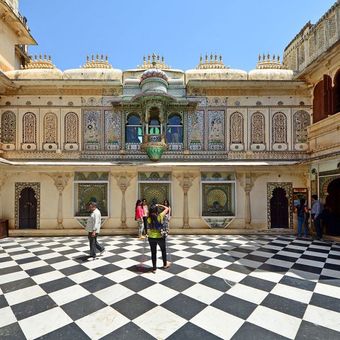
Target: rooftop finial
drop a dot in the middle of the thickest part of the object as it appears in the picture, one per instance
(97, 62)
(153, 61)
(214, 61)
(268, 63)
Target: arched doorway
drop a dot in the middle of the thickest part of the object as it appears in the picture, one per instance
(332, 208)
(27, 209)
(279, 209)
(336, 93)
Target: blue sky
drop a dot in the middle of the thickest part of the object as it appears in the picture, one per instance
(180, 30)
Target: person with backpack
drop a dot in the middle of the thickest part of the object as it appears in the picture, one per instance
(155, 225)
(302, 211)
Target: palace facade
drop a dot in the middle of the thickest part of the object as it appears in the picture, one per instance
(231, 150)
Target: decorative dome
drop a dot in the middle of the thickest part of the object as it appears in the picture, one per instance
(214, 69)
(268, 68)
(153, 73)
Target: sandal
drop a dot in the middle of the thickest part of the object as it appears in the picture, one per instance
(168, 264)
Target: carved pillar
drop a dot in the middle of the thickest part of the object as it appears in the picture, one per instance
(3, 179)
(60, 182)
(185, 181)
(247, 181)
(123, 180)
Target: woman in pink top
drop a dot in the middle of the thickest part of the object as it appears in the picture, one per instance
(139, 218)
(145, 215)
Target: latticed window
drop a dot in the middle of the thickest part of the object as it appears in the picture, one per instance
(50, 128)
(174, 130)
(29, 123)
(257, 128)
(133, 129)
(71, 128)
(301, 121)
(279, 128)
(8, 127)
(236, 128)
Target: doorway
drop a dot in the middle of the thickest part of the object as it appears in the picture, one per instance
(27, 209)
(279, 209)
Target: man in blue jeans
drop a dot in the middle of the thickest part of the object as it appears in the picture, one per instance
(315, 213)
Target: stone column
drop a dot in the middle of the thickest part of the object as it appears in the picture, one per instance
(123, 180)
(60, 182)
(185, 181)
(247, 181)
(3, 179)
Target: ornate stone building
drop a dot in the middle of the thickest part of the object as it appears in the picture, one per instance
(231, 150)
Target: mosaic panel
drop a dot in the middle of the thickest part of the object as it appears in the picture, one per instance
(216, 130)
(91, 176)
(92, 130)
(19, 186)
(301, 121)
(154, 192)
(257, 128)
(154, 176)
(71, 128)
(50, 128)
(8, 127)
(86, 192)
(195, 130)
(113, 123)
(236, 128)
(217, 199)
(279, 128)
(29, 131)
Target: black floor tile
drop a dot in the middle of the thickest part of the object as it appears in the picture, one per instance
(73, 270)
(306, 268)
(16, 285)
(9, 270)
(128, 332)
(215, 283)
(137, 283)
(178, 283)
(206, 268)
(298, 283)
(192, 332)
(184, 306)
(39, 270)
(107, 269)
(326, 302)
(258, 283)
(3, 301)
(68, 332)
(97, 284)
(310, 331)
(12, 332)
(249, 331)
(58, 284)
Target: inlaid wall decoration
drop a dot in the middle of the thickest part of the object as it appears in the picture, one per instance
(236, 128)
(279, 128)
(8, 127)
(112, 130)
(257, 128)
(50, 128)
(29, 131)
(92, 130)
(71, 128)
(195, 130)
(215, 130)
(301, 120)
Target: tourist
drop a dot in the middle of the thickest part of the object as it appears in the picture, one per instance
(139, 218)
(155, 223)
(167, 216)
(302, 212)
(145, 215)
(316, 210)
(93, 228)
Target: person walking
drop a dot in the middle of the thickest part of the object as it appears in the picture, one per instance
(145, 215)
(155, 223)
(139, 218)
(316, 210)
(93, 228)
(301, 210)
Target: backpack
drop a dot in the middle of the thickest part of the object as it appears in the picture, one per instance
(162, 225)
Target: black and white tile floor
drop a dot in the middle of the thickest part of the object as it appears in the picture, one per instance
(230, 287)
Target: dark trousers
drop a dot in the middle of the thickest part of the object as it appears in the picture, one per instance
(94, 245)
(153, 246)
(145, 220)
(318, 227)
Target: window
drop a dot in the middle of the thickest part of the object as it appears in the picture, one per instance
(8, 127)
(90, 186)
(133, 129)
(174, 130)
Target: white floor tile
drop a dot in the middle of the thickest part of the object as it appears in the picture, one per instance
(247, 293)
(158, 293)
(102, 322)
(265, 275)
(193, 275)
(33, 265)
(13, 277)
(275, 321)
(163, 324)
(328, 290)
(311, 263)
(217, 322)
(45, 322)
(203, 293)
(230, 275)
(331, 273)
(113, 294)
(292, 293)
(24, 294)
(84, 276)
(323, 317)
(69, 294)
(121, 275)
(187, 263)
(64, 264)
(7, 264)
(7, 316)
(47, 277)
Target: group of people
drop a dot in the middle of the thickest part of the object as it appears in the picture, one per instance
(316, 213)
(153, 222)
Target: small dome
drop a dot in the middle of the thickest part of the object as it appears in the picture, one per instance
(270, 74)
(53, 73)
(93, 74)
(216, 74)
(153, 73)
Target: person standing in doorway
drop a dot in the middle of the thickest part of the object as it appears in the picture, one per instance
(316, 210)
(145, 215)
(93, 228)
(139, 218)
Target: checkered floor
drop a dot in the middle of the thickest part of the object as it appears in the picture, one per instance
(230, 287)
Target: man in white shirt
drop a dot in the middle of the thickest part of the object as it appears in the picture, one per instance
(93, 228)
